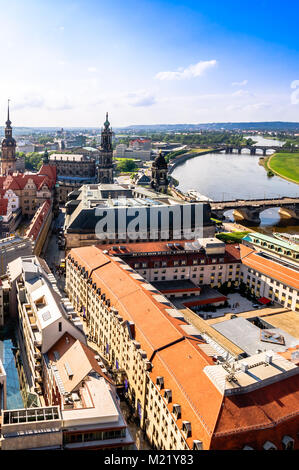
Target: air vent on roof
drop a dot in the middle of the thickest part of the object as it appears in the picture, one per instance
(46, 315)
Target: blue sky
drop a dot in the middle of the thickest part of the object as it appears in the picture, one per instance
(64, 63)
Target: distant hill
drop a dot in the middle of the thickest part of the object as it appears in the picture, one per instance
(217, 126)
(212, 126)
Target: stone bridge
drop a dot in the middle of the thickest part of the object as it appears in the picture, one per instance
(252, 148)
(250, 209)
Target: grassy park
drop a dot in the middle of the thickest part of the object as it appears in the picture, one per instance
(285, 165)
(231, 237)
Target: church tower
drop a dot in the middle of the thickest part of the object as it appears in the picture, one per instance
(159, 180)
(8, 149)
(105, 165)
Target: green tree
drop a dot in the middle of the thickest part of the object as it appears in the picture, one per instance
(126, 165)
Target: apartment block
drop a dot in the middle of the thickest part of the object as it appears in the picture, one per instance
(168, 370)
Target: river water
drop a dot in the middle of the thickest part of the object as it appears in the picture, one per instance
(223, 176)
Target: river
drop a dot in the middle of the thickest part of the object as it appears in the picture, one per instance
(223, 176)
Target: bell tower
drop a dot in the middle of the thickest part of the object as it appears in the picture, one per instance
(105, 165)
(8, 149)
(159, 181)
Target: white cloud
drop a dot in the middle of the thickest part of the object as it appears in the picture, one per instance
(140, 98)
(241, 93)
(92, 69)
(243, 83)
(29, 101)
(256, 106)
(192, 71)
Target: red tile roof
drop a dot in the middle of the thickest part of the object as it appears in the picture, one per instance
(271, 268)
(3, 206)
(38, 220)
(177, 357)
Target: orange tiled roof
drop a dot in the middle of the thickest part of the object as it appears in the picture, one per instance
(175, 355)
(268, 267)
(261, 409)
(37, 222)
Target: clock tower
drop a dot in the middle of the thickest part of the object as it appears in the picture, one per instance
(105, 165)
(8, 149)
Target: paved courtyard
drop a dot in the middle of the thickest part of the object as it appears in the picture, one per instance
(237, 304)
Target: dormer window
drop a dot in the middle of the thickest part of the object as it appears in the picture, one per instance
(269, 446)
(176, 410)
(186, 428)
(197, 445)
(168, 395)
(288, 443)
(160, 382)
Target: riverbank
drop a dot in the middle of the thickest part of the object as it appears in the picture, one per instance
(187, 156)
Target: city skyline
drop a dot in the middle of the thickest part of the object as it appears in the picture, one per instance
(163, 62)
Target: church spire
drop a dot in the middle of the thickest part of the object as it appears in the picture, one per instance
(106, 123)
(8, 122)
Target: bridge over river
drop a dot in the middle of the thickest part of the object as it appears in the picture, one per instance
(228, 148)
(250, 209)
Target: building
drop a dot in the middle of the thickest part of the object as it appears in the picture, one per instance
(89, 209)
(141, 144)
(74, 379)
(8, 149)
(13, 247)
(39, 226)
(38, 428)
(271, 277)
(25, 146)
(274, 246)
(159, 181)
(122, 151)
(10, 212)
(105, 164)
(43, 317)
(31, 189)
(179, 260)
(73, 170)
(184, 393)
(2, 387)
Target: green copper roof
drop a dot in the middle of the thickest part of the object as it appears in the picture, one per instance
(272, 240)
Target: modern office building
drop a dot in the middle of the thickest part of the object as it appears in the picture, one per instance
(161, 216)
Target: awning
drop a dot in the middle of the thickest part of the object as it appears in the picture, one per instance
(264, 300)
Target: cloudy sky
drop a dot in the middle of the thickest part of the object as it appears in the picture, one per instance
(65, 63)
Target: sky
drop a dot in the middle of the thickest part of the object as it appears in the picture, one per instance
(67, 62)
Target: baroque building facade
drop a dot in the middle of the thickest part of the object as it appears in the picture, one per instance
(159, 181)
